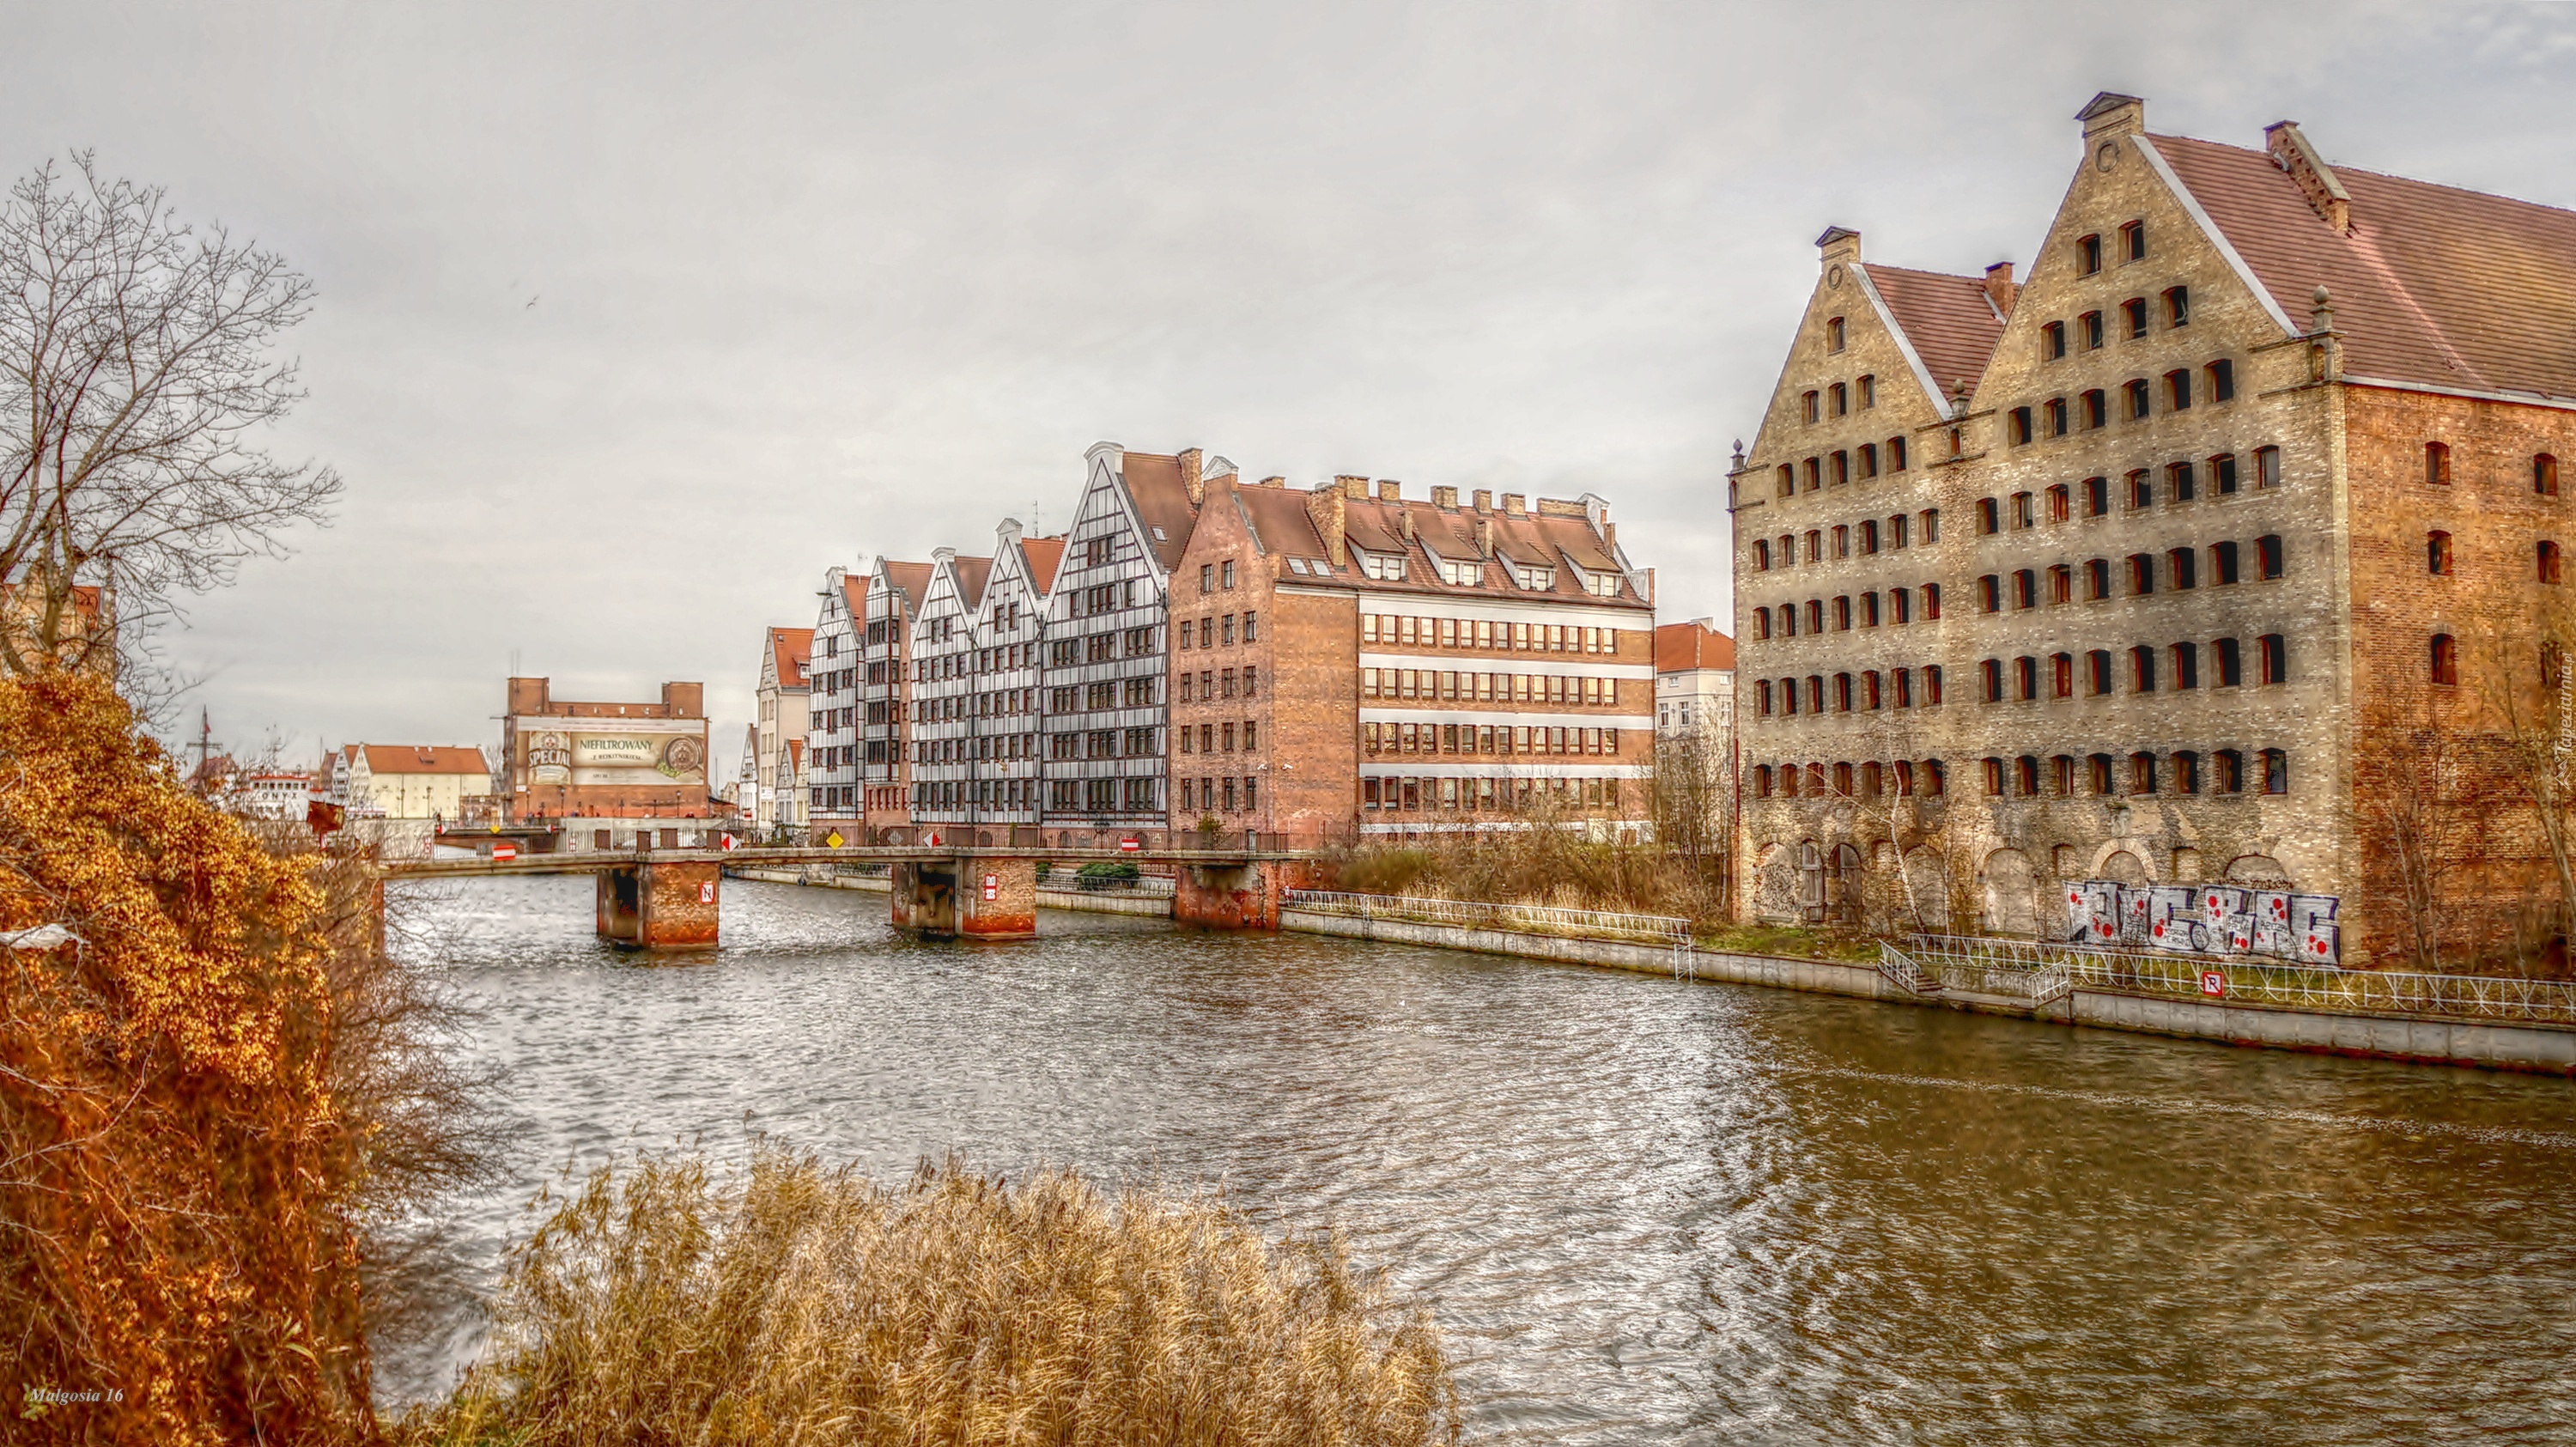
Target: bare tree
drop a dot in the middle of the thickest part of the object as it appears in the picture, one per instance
(135, 375)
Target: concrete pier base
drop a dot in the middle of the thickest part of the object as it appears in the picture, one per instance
(654, 905)
(970, 897)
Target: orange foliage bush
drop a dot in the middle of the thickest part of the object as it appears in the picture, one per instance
(176, 1228)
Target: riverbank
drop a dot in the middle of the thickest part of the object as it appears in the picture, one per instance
(2414, 1039)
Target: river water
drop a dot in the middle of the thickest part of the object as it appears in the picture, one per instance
(1641, 1211)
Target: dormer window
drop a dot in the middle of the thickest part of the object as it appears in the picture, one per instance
(1606, 585)
(1533, 576)
(1469, 574)
(1385, 567)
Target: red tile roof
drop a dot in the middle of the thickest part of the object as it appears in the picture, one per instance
(1043, 554)
(1531, 539)
(1162, 503)
(909, 581)
(791, 649)
(423, 759)
(1949, 319)
(1278, 521)
(854, 596)
(1680, 647)
(2434, 285)
(971, 573)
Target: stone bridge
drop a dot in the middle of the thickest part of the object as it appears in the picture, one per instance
(668, 899)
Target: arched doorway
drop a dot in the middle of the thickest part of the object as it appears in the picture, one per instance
(1843, 881)
(2123, 868)
(1811, 883)
(1923, 898)
(2260, 870)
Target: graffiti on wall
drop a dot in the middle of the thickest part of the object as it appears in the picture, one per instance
(2205, 919)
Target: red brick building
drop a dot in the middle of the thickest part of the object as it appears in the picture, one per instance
(567, 759)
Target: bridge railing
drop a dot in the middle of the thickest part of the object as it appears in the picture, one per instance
(2244, 981)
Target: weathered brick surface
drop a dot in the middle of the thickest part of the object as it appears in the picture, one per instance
(2355, 605)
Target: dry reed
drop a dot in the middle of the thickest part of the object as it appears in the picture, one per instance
(799, 1303)
(1550, 861)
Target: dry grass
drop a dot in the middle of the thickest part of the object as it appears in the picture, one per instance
(1541, 864)
(806, 1304)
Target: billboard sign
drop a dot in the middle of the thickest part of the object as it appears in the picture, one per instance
(601, 751)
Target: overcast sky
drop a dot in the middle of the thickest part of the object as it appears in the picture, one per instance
(634, 318)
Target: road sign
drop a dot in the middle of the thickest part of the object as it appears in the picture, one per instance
(726, 841)
(992, 886)
(706, 891)
(1131, 843)
(505, 850)
(833, 839)
(2213, 982)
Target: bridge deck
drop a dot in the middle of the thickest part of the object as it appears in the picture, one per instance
(600, 862)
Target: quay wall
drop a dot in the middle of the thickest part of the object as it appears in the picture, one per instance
(2419, 1039)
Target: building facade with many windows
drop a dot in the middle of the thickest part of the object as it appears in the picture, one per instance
(2154, 570)
(834, 680)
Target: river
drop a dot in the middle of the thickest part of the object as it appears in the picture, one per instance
(1642, 1212)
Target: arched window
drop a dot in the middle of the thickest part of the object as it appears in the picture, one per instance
(2437, 553)
(2267, 549)
(1989, 593)
(1869, 691)
(1841, 397)
(1761, 623)
(2142, 773)
(2437, 463)
(2222, 380)
(2097, 408)
(1990, 674)
(1896, 454)
(2099, 767)
(2098, 665)
(2548, 552)
(2142, 669)
(2026, 775)
(1931, 685)
(1815, 615)
(2025, 678)
(1843, 780)
(1869, 459)
(1785, 553)
(1869, 535)
(1868, 387)
(1788, 620)
(2061, 672)
(1810, 406)
(1815, 693)
(1905, 776)
(1869, 610)
(2057, 502)
(1842, 693)
(1762, 697)
(2184, 566)
(1789, 781)
(2186, 772)
(2056, 409)
(2061, 771)
(1932, 602)
(1788, 480)
(2186, 665)
(2227, 772)
(2138, 395)
(2544, 474)
(1935, 777)
(1761, 781)
(1841, 467)
(1842, 614)
(2276, 658)
(1833, 334)
(2178, 389)
(1873, 779)
(2446, 660)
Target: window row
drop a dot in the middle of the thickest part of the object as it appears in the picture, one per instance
(1218, 796)
(1849, 611)
(1502, 796)
(1103, 693)
(1840, 541)
(2140, 669)
(1499, 739)
(1838, 399)
(946, 794)
(2548, 559)
(2182, 771)
(1105, 744)
(2132, 240)
(982, 747)
(1849, 692)
(1209, 683)
(2437, 469)
(2135, 576)
(1841, 465)
(1213, 738)
(2137, 399)
(1449, 686)
(1399, 630)
(2137, 491)
(1214, 629)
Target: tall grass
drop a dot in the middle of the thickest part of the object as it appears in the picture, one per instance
(800, 1303)
(1539, 863)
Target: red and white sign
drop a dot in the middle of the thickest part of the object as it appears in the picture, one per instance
(2213, 982)
(726, 841)
(1131, 843)
(505, 850)
(706, 891)
(992, 886)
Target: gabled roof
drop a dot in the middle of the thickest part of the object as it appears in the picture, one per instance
(790, 649)
(909, 581)
(1042, 554)
(1547, 539)
(1162, 503)
(971, 575)
(423, 759)
(854, 594)
(1950, 322)
(1684, 647)
(1278, 521)
(2433, 285)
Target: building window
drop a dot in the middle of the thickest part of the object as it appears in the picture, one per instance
(2089, 326)
(1869, 536)
(1762, 698)
(2088, 255)
(2025, 678)
(1994, 771)
(2186, 665)
(2097, 579)
(2052, 341)
(2020, 425)
(2098, 666)
(2061, 675)
(2437, 553)
(1896, 454)
(2099, 766)
(2267, 550)
(1868, 392)
(1869, 459)
(2142, 773)
(2186, 772)
(1833, 334)
(1788, 480)
(2276, 658)
(1841, 399)
(2133, 312)
(1810, 407)
(2227, 772)
(2544, 474)
(2276, 772)
(2437, 463)
(2178, 390)
(1815, 474)
(2222, 563)
(2025, 591)
(2057, 500)
(2231, 672)
(2267, 467)
(2133, 241)
(2446, 660)
(2222, 380)
(1900, 605)
(2139, 399)
(1990, 676)
(2097, 496)
(1932, 686)
(2548, 553)
(2178, 306)
(1932, 602)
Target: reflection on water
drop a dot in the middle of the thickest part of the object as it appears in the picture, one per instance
(1643, 1212)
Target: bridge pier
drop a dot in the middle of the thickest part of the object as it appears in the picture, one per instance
(970, 897)
(660, 904)
(1231, 895)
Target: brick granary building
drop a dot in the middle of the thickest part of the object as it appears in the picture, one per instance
(2203, 588)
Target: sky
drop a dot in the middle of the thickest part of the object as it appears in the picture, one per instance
(635, 318)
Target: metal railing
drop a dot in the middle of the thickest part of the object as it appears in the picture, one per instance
(1900, 970)
(1655, 929)
(2245, 981)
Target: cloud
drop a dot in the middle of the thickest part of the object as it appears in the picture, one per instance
(825, 281)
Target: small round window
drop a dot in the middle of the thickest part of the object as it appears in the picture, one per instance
(2107, 157)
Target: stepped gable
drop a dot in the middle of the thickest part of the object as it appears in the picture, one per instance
(1162, 501)
(2430, 285)
(1950, 321)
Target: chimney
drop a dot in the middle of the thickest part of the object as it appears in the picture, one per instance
(1274, 481)
(2107, 117)
(1484, 500)
(1389, 490)
(2292, 153)
(1328, 506)
(1445, 498)
(1514, 505)
(1838, 244)
(1190, 480)
(1354, 488)
(1484, 537)
(2001, 289)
